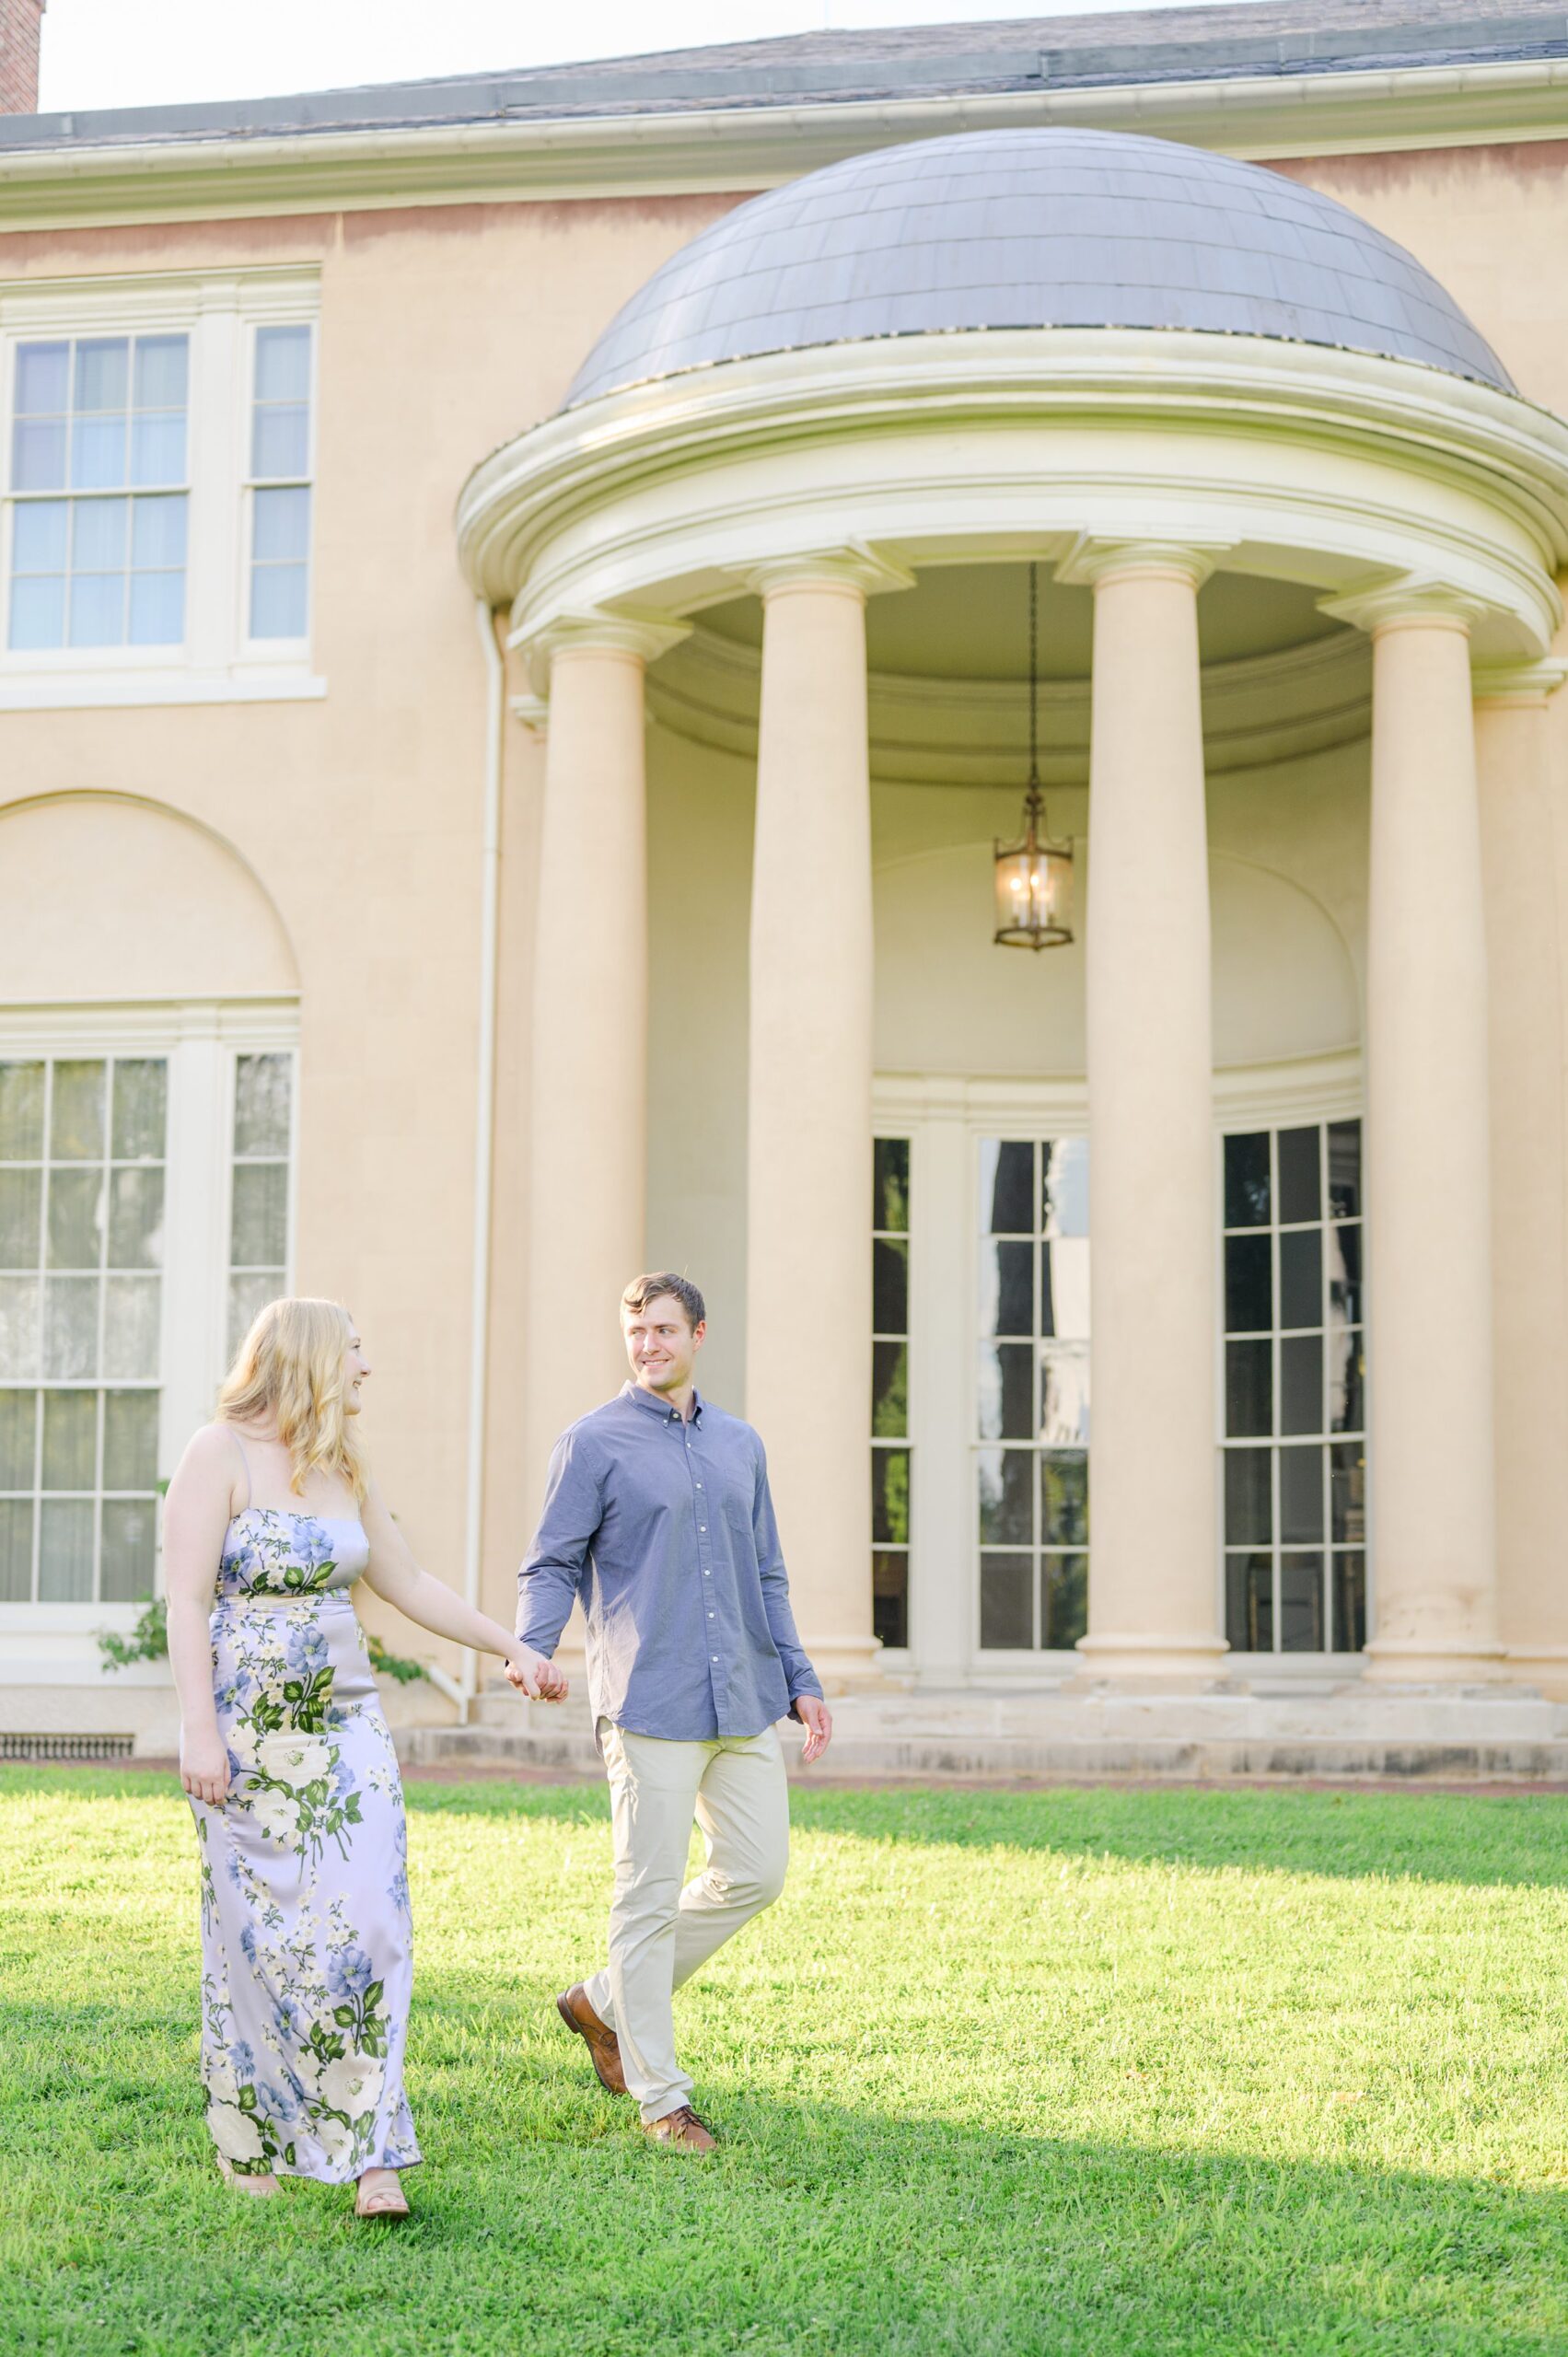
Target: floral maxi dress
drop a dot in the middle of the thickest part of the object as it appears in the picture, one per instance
(306, 1950)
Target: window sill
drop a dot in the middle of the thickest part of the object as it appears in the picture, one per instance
(106, 690)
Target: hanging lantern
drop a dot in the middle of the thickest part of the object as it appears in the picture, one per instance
(1034, 876)
(1034, 885)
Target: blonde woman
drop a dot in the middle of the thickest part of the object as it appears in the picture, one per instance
(307, 1956)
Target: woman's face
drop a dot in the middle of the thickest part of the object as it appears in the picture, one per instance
(356, 1370)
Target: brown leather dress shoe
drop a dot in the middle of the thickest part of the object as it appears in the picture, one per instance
(602, 2043)
(683, 2130)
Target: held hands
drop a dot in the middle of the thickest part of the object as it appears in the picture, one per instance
(816, 1719)
(203, 1767)
(534, 1675)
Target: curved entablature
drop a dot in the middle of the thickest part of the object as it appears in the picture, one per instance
(1033, 227)
(1257, 710)
(1334, 470)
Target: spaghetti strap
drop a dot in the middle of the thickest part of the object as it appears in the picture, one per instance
(239, 1445)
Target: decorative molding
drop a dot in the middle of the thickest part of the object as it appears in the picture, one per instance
(105, 690)
(1407, 603)
(725, 147)
(1089, 560)
(1516, 682)
(1305, 1088)
(533, 712)
(91, 1026)
(1257, 710)
(851, 566)
(643, 637)
(1333, 469)
(114, 299)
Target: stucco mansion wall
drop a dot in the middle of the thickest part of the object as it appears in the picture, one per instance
(441, 333)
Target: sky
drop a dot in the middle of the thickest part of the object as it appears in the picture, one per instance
(152, 53)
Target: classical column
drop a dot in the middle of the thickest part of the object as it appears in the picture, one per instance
(590, 1021)
(1433, 1565)
(809, 1143)
(1153, 1577)
(1518, 794)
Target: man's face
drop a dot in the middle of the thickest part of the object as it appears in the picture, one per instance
(660, 1345)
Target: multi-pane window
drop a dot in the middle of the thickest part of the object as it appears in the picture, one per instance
(890, 1392)
(82, 1148)
(280, 480)
(258, 1253)
(1032, 1461)
(1294, 1452)
(98, 491)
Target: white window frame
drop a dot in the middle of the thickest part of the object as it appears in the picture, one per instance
(218, 662)
(280, 651)
(944, 1118)
(57, 1644)
(1322, 1089)
(901, 1655)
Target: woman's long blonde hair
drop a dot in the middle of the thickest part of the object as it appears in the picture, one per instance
(290, 1370)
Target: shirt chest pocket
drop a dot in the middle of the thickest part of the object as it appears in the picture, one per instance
(730, 1498)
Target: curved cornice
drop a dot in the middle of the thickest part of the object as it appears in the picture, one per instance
(1257, 710)
(750, 147)
(1333, 469)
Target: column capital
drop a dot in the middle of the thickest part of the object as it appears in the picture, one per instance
(1093, 559)
(1516, 683)
(853, 566)
(1408, 603)
(596, 632)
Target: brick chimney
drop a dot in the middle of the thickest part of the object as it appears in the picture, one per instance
(20, 24)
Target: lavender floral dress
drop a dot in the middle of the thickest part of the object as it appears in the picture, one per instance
(306, 1938)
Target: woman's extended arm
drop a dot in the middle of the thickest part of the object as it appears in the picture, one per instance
(195, 1517)
(394, 1576)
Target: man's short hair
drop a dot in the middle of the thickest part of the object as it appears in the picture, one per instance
(644, 1290)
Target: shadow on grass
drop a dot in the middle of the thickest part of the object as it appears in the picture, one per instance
(1431, 1837)
(544, 2220)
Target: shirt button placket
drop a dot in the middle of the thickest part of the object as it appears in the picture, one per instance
(706, 1570)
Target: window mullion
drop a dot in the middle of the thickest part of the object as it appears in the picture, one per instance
(213, 472)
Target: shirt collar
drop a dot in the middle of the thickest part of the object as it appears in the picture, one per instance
(651, 1405)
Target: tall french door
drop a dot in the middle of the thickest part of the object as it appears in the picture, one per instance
(981, 1439)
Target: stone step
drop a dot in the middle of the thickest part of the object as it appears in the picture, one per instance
(1087, 1756)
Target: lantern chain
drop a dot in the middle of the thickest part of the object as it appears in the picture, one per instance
(1034, 677)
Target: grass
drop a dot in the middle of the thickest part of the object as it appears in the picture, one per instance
(1196, 2073)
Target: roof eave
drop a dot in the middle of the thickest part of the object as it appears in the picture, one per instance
(758, 146)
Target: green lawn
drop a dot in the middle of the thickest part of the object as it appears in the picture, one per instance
(1103, 2072)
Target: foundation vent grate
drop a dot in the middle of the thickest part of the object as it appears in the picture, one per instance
(66, 1747)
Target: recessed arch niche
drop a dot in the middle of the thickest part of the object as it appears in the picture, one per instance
(108, 897)
(948, 1001)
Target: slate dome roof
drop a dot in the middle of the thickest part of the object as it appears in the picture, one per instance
(1033, 229)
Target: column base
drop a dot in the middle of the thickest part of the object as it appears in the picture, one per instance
(846, 1665)
(1407, 1661)
(1544, 1668)
(1179, 1664)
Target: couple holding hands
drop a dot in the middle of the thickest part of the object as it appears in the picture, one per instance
(657, 1514)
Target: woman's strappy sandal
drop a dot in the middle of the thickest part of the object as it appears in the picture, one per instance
(260, 2188)
(387, 2202)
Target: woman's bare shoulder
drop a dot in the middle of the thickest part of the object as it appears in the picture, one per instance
(211, 1447)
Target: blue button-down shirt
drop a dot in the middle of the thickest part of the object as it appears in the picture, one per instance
(665, 1529)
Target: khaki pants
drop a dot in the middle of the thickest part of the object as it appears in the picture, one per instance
(661, 1935)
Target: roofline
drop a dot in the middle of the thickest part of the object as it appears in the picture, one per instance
(692, 150)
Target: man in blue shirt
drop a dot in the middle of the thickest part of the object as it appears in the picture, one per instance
(657, 1514)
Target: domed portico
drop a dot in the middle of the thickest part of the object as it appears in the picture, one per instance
(1144, 369)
